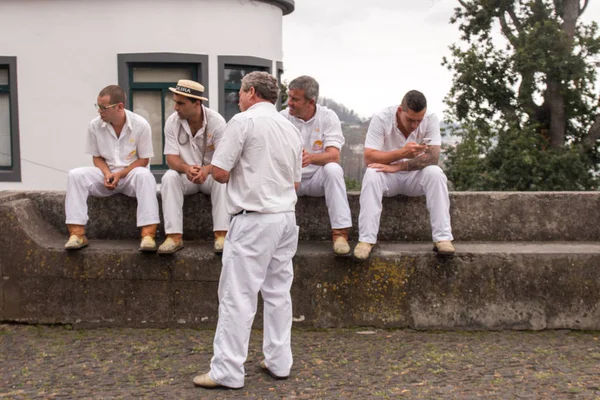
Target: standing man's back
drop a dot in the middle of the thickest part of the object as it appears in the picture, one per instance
(260, 158)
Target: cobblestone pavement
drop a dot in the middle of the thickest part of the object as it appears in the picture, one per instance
(59, 362)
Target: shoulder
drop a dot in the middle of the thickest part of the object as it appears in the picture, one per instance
(213, 116)
(95, 123)
(326, 114)
(136, 120)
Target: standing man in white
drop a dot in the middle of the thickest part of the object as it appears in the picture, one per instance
(399, 164)
(260, 158)
(192, 134)
(322, 140)
(120, 143)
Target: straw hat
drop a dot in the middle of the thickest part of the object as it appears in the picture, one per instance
(189, 89)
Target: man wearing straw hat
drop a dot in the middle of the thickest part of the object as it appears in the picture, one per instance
(261, 159)
(120, 143)
(192, 134)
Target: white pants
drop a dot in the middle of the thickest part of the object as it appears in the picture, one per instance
(328, 181)
(430, 181)
(175, 185)
(89, 181)
(257, 257)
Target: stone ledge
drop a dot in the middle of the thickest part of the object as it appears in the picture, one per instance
(486, 285)
(476, 216)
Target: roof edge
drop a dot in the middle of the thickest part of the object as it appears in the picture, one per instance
(287, 6)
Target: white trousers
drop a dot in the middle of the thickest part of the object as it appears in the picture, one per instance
(430, 181)
(329, 181)
(174, 186)
(89, 181)
(257, 257)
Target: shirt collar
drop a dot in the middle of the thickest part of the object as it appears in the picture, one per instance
(261, 104)
(127, 121)
(186, 125)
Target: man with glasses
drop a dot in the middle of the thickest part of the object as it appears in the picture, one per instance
(402, 150)
(192, 134)
(120, 143)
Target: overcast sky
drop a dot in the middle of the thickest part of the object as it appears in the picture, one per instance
(367, 53)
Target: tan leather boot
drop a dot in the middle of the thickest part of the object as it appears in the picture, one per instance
(148, 234)
(340, 242)
(219, 241)
(77, 239)
(173, 243)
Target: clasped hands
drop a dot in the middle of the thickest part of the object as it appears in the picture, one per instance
(197, 174)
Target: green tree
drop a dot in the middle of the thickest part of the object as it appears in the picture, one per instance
(527, 111)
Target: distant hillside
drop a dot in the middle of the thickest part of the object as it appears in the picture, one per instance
(344, 113)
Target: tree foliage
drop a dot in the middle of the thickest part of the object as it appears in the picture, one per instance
(527, 111)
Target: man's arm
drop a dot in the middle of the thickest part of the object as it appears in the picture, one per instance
(140, 162)
(410, 150)
(430, 157)
(99, 162)
(331, 154)
(220, 175)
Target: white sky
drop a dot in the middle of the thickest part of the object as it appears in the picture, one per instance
(366, 54)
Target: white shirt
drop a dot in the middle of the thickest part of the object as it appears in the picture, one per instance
(384, 134)
(263, 153)
(321, 131)
(179, 139)
(134, 142)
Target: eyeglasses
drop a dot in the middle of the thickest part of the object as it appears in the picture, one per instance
(104, 108)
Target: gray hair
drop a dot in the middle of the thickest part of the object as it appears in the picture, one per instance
(308, 84)
(264, 84)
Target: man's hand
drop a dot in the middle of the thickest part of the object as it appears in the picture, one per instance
(389, 168)
(306, 158)
(192, 172)
(111, 180)
(412, 149)
(202, 174)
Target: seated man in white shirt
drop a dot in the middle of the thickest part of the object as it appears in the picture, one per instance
(322, 140)
(120, 143)
(402, 150)
(192, 134)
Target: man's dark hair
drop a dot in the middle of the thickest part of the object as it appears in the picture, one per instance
(414, 101)
(116, 93)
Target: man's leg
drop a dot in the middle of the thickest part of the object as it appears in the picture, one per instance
(220, 216)
(278, 302)
(432, 182)
(81, 183)
(329, 181)
(140, 183)
(250, 244)
(174, 186)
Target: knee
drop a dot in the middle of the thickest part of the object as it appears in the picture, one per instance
(169, 177)
(371, 177)
(76, 174)
(433, 173)
(142, 174)
(333, 170)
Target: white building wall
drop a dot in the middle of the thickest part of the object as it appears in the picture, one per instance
(67, 52)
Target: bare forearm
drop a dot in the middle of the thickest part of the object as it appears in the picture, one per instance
(177, 164)
(431, 157)
(383, 157)
(326, 157)
(140, 162)
(101, 164)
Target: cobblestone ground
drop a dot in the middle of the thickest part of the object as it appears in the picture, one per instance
(58, 362)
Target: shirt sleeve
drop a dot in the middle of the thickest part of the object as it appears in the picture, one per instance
(170, 138)
(227, 155)
(219, 130)
(433, 130)
(334, 137)
(298, 165)
(144, 144)
(375, 134)
(91, 146)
